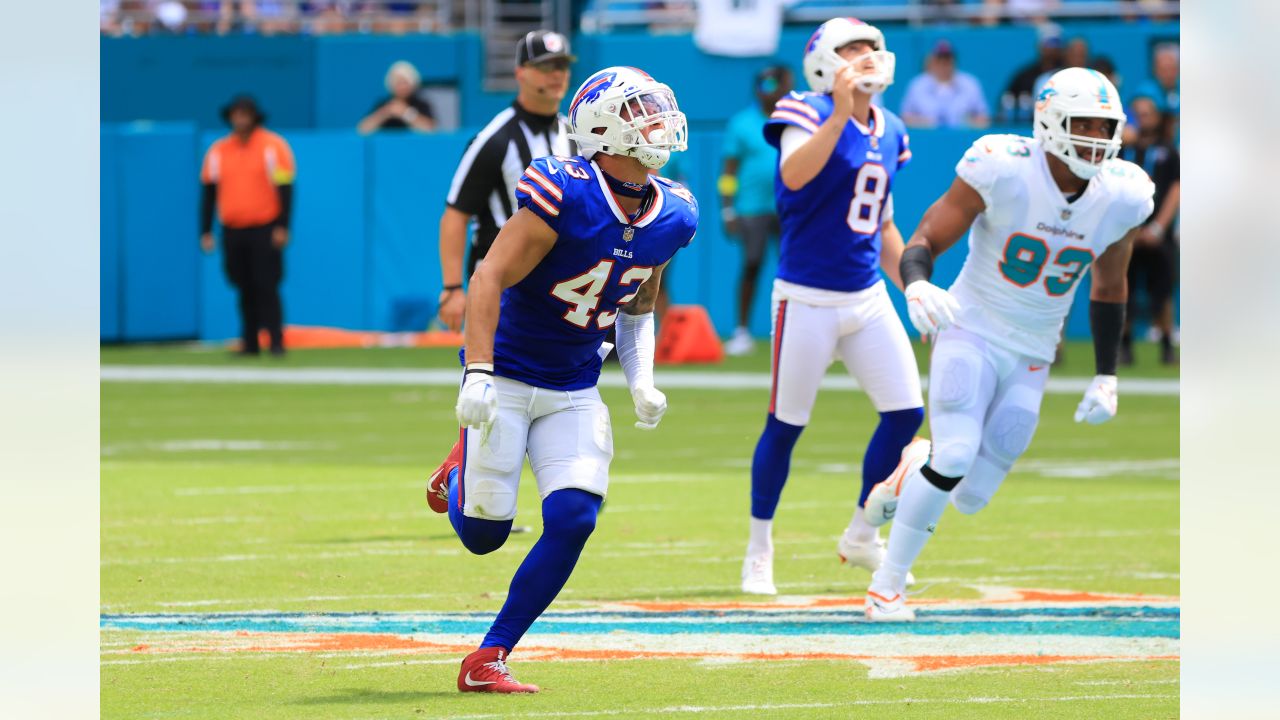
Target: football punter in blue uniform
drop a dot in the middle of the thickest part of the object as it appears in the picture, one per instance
(585, 252)
(838, 158)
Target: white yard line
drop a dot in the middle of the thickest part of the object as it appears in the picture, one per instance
(695, 379)
(698, 709)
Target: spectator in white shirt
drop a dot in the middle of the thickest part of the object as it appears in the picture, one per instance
(943, 96)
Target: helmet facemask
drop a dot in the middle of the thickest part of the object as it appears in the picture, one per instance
(1053, 130)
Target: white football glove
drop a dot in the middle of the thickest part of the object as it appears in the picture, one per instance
(478, 400)
(1100, 401)
(931, 308)
(651, 405)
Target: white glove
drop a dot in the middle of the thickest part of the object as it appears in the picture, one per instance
(931, 308)
(651, 405)
(478, 400)
(1100, 401)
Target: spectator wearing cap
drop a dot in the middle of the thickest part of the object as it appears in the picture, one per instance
(943, 96)
(1017, 103)
(404, 108)
(747, 205)
(484, 184)
(249, 176)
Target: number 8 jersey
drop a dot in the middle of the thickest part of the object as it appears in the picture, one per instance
(831, 226)
(1030, 247)
(553, 322)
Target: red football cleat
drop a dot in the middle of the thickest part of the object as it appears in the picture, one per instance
(438, 483)
(485, 671)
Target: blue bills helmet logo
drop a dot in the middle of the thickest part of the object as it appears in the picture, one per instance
(591, 90)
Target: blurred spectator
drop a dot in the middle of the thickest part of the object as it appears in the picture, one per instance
(746, 191)
(405, 108)
(1035, 11)
(109, 17)
(1155, 249)
(1164, 88)
(1018, 101)
(249, 175)
(943, 96)
(1075, 55)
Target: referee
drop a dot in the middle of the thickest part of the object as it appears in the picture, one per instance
(484, 186)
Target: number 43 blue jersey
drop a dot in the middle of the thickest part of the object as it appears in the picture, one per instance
(553, 321)
(831, 226)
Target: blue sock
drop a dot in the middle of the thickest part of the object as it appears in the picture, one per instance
(770, 466)
(568, 517)
(478, 535)
(884, 452)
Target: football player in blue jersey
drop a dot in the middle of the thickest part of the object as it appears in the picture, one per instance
(585, 252)
(838, 157)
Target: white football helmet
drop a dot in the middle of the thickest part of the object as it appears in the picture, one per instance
(1072, 93)
(821, 60)
(614, 108)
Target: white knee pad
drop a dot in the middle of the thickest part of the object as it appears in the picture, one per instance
(978, 487)
(952, 458)
(953, 382)
(489, 498)
(1008, 434)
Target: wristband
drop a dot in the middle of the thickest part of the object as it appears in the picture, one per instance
(451, 288)
(727, 184)
(479, 367)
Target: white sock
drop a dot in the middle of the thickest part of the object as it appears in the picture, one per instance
(859, 530)
(919, 509)
(761, 537)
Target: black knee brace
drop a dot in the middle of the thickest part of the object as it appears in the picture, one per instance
(938, 480)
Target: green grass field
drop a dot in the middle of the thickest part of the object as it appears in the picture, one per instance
(229, 498)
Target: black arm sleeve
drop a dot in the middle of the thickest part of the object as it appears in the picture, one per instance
(208, 198)
(1107, 322)
(286, 205)
(916, 264)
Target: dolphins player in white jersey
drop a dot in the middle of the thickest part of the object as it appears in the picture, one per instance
(1040, 213)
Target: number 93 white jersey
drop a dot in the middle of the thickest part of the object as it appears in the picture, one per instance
(1029, 249)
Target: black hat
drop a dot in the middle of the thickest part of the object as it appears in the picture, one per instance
(540, 45)
(243, 102)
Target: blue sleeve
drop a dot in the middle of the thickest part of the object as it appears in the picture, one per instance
(794, 110)
(541, 189)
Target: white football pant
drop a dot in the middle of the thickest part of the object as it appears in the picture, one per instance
(984, 404)
(566, 435)
(865, 334)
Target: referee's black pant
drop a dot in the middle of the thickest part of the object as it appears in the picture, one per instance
(255, 267)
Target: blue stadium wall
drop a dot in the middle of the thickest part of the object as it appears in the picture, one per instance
(367, 208)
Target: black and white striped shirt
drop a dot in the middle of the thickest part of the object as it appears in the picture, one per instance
(484, 185)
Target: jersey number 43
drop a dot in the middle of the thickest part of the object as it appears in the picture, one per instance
(583, 292)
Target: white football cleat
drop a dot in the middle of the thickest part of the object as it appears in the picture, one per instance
(757, 574)
(887, 599)
(740, 344)
(864, 555)
(882, 503)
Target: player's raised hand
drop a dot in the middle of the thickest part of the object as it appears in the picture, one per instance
(931, 308)
(842, 91)
(651, 405)
(478, 400)
(1100, 401)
